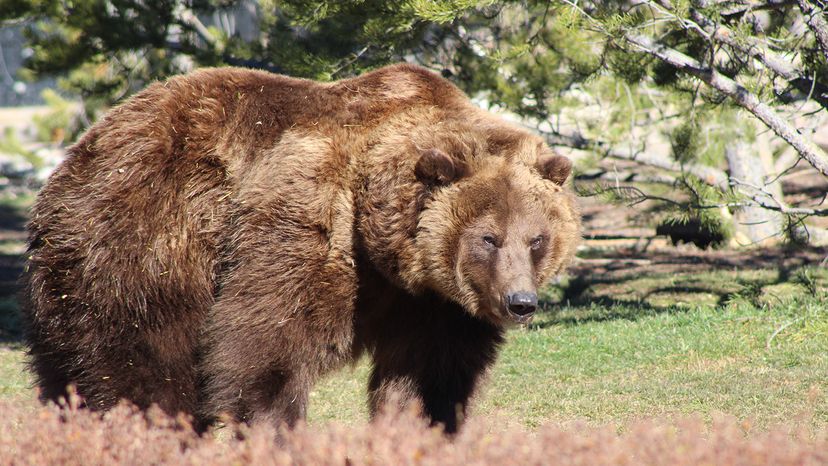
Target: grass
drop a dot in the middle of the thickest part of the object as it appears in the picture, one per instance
(752, 344)
(747, 345)
(14, 380)
(699, 361)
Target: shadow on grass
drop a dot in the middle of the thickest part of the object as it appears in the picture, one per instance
(603, 309)
(12, 225)
(12, 218)
(590, 298)
(10, 324)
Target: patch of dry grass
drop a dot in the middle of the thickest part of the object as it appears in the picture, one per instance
(70, 436)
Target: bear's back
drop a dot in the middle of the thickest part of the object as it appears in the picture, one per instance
(128, 236)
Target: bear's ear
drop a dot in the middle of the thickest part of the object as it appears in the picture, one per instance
(436, 168)
(555, 168)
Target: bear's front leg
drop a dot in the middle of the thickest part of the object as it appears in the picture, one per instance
(444, 405)
(430, 352)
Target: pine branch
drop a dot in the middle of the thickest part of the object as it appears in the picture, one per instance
(761, 196)
(742, 6)
(815, 18)
(708, 175)
(634, 195)
(749, 101)
(758, 50)
(187, 18)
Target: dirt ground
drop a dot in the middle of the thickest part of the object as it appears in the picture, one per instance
(621, 241)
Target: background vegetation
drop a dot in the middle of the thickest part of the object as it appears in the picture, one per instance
(706, 117)
(708, 107)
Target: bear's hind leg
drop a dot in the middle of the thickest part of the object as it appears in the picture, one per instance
(286, 401)
(263, 393)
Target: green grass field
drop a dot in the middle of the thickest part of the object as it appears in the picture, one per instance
(752, 343)
(760, 355)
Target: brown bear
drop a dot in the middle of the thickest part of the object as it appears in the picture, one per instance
(222, 239)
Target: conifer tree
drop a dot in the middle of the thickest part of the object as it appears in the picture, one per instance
(706, 105)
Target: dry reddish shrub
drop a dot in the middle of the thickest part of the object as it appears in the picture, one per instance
(68, 436)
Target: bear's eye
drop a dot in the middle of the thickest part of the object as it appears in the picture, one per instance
(536, 242)
(490, 240)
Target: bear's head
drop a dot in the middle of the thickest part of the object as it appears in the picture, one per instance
(475, 211)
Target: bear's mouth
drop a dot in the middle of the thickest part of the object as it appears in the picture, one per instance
(520, 318)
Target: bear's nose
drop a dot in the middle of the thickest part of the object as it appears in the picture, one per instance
(523, 303)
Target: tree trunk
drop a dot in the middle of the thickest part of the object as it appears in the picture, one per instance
(754, 226)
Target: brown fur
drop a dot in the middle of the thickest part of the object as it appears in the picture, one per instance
(222, 239)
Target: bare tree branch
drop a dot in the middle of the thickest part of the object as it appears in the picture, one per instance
(709, 175)
(807, 149)
(626, 177)
(15, 22)
(815, 18)
(635, 195)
